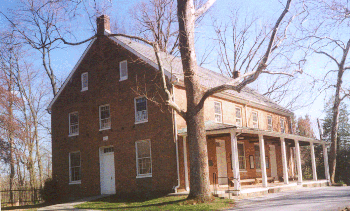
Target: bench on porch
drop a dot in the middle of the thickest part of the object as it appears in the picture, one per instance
(248, 181)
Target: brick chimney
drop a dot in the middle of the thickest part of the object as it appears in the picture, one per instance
(103, 24)
(236, 74)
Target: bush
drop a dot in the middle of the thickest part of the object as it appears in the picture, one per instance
(49, 192)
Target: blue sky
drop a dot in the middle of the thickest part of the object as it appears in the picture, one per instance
(65, 59)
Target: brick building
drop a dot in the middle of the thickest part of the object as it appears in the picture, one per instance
(111, 133)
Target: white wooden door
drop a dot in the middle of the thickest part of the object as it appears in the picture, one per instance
(221, 162)
(273, 161)
(107, 171)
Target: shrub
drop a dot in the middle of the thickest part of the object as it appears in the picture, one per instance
(49, 191)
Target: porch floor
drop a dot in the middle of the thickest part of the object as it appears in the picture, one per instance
(257, 189)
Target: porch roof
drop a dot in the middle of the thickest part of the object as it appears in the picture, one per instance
(213, 128)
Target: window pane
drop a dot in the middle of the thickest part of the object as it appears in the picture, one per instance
(75, 166)
(123, 69)
(217, 107)
(257, 156)
(240, 149)
(144, 165)
(84, 80)
(141, 109)
(238, 113)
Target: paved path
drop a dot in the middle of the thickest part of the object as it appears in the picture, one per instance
(320, 199)
(70, 205)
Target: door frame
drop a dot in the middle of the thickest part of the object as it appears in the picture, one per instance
(100, 150)
(221, 180)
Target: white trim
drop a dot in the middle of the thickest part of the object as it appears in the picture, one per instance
(120, 70)
(137, 160)
(284, 126)
(135, 107)
(110, 120)
(69, 130)
(187, 186)
(70, 75)
(69, 169)
(82, 81)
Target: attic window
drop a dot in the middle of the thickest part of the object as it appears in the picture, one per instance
(123, 70)
(84, 81)
(218, 112)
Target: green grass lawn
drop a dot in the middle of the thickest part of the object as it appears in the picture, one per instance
(161, 203)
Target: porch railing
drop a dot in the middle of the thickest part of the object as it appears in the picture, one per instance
(215, 183)
(20, 197)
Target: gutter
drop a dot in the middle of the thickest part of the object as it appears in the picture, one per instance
(177, 145)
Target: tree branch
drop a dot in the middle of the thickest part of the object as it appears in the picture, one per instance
(200, 11)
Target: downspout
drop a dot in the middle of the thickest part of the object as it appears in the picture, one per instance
(176, 143)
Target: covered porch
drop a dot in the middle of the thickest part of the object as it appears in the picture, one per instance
(242, 159)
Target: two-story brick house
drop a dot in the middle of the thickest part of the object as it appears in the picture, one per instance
(111, 133)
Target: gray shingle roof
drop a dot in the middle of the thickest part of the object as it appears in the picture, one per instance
(208, 78)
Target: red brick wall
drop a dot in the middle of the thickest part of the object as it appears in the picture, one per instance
(102, 65)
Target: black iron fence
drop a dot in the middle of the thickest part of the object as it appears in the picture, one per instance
(20, 197)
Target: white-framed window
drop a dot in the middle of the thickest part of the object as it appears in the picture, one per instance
(105, 117)
(123, 70)
(239, 116)
(257, 156)
(241, 156)
(269, 123)
(141, 113)
(84, 81)
(73, 124)
(218, 112)
(143, 158)
(255, 119)
(74, 168)
(282, 125)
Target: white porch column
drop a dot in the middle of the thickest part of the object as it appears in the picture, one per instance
(300, 173)
(235, 161)
(262, 160)
(284, 161)
(326, 164)
(313, 161)
(187, 187)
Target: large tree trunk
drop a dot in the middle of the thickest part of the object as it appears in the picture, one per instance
(200, 186)
(335, 123)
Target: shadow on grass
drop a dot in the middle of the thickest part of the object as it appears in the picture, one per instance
(34, 206)
(123, 202)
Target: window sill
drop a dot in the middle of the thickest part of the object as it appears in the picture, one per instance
(143, 176)
(244, 171)
(104, 129)
(75, 182)
(72, 135)
(83, 90)
(140, 122)
(123, 79)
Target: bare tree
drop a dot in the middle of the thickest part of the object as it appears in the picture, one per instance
(156, 21)
(324, 28)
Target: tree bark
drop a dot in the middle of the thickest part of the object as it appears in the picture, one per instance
(199, 184)
(335, 125)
